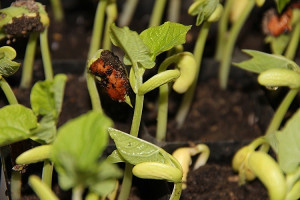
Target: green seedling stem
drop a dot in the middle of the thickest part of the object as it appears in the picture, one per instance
(57, 10)
(162, 116)
(47, 173)
(28, 61)
(41, 189)
(111, 16)
(279, 115)
(229, 46)
(174, 10)
(222, 30)
(11, 98)
(189, 95)
(128, 12)
(157, 12)
(136, 121)
(46, 55)
(98, 27)
(16, 185)
(293, 44)
(16, 177)
(94, 95)
(77, 192)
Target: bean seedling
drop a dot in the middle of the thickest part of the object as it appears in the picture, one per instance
(274, 71)
(25, 18)
(140, 53)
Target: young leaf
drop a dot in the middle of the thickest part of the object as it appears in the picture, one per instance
(203, 9)
(135, 150)
(164, 37)
(46, 96)
(107, 173)
(83, 138)
(289, 144)
(45, 133)
(16, 123)
(262, 61)
(7, 66)
(77, 149)
(281, 4)
(278, 44)
(136, 51)
(115, 157)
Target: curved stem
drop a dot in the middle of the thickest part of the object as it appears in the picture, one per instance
(157, 12)
(58, 11)
(189, 95)
(93, 92)
(47, 173)
(28, 61)
(11, 98)
(228, 50)
(127, 12)
(174, 10)
(281, 110)
(77, 193)
(294, 42)
(176, 191)
(98, 27)
(162, 115)
(46, 55)
(41, 189)
(279, 115)
(222, 30)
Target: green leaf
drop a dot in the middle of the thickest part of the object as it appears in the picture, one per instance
(16, 123)
(107, 173)
(84, 138)
(45, 133)
(278, 44)
(164, 37)
(289, 144)
(7, 66)
(281, 4)
(115, 157)
(77, 149)
(203, 9)
(46, 96)
(135, 150)
(262, 61)
(136, 51)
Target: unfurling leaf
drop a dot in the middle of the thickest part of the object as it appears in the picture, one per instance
(164, 37)
(133, 46)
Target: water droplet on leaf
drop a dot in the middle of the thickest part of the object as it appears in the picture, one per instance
(272, 87)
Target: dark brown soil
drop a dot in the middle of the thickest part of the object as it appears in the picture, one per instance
(239, 113)
(215, 181)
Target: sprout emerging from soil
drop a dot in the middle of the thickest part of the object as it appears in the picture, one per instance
(22, 18)
(184, 157)
(27, 18)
